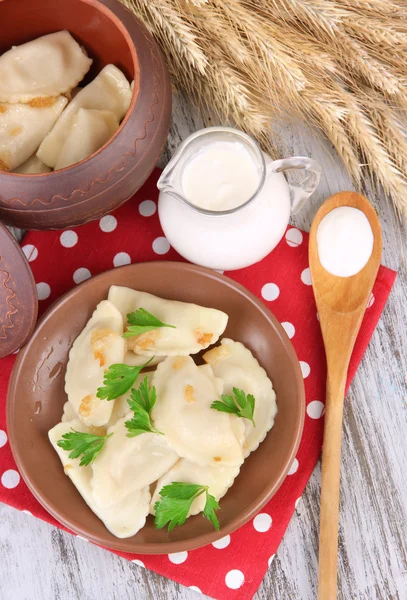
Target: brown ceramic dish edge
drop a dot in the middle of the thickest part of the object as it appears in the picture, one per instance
(168, 546)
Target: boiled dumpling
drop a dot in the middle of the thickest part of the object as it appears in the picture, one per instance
(219, 480)
(89, 130)
(237, 367)
(196, 327)
(183, 413)
(127, 464)
(22, 129)
(99, 345)
(122, 519)
(32, 166)
(69, 413)
(136, 360)
(47, 66)
(110, 90)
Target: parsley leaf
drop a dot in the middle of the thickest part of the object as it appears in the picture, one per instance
(141, 402)
(118, 379)
(241, 405)
(176, 501)
(87, 444)
(141, 321)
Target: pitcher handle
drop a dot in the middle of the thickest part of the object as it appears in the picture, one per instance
(300, 192)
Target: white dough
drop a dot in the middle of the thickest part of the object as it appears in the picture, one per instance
(110, 90)
(127, 464)
(98, 346)
(47, 66)
(237, 367)
(122, 519)
(31, 166)
(196, 327)
(183, 413)
(22, 129)
(219, 480)
(136, 360)
(89, 130)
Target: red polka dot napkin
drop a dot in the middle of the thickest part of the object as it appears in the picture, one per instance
(233, 567)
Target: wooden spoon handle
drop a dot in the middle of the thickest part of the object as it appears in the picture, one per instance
(331, 460)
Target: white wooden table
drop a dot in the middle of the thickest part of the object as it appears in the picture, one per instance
(40, 562)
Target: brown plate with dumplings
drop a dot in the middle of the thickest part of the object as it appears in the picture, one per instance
(36, 397)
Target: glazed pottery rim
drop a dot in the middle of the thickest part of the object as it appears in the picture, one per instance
(99, 6)
(200, 540)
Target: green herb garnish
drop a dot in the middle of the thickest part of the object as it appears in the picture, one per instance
(142, 321)
(141, 402)
(118, 379)
(241, 405)
(176, 501)
(87, 444)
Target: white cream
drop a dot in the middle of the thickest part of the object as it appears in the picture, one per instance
(221, 176)
(344, 241)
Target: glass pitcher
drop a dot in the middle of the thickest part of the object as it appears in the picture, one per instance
(241, 236)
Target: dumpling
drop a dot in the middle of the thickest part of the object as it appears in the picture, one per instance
(69, 413)
(110, 90)
(237, 367)
(89, 130)
(31, 166)
(122, 519)
(136, 360)
(22, 129)
(98, 346)
(126, 465)
(219, 480)
(48, 66)
(183, 413)
(196, 327)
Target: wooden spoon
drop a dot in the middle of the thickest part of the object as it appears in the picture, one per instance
(341, 303)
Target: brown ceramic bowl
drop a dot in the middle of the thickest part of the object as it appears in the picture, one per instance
(36, 397)
(89, 189)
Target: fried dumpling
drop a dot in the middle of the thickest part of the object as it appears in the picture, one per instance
(219, 480)
(32, 166)
(237, 367)
(89, 130)
(195, 327)
(47, 66)
(127, 464)
(99, 345)
(22, 129)
(123, 519)
(110, 90)
(183, 413)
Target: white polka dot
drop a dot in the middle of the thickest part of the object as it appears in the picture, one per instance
(294, 467)
(138, 562)
(222, 543)
(293, 237)
(270, 291)
(270, 560)
(196, 589)
(10, 479)
(3, 438)
(121, 258)
(30, 251)
(108, 223)
(178, 558)
(306, 277)
(81, 274)
(27, 512)
(289, 329)
(82, 538)
(305, 369)
(315, 409)
(234, 579)
(68, 239)
(43, 290)
(161, 245)
(371, 300)
(147, 208)
(297, 502)
(262, 522)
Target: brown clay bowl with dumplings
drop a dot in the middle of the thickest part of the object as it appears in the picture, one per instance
(36, 397)
(95, 186)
